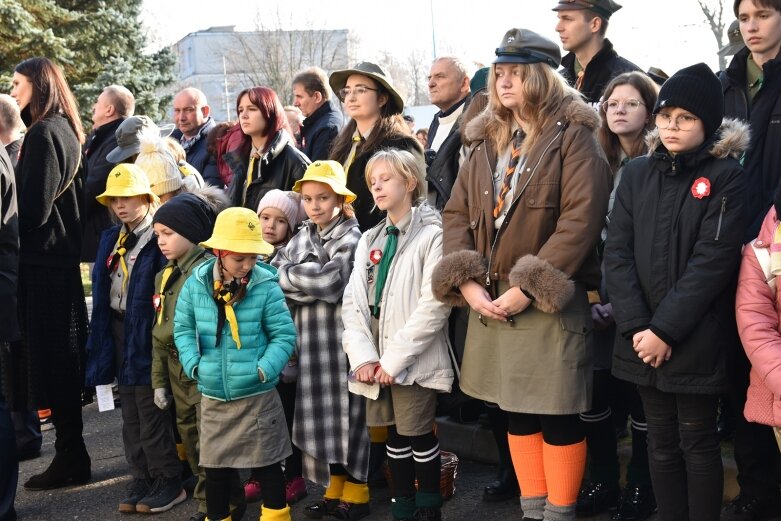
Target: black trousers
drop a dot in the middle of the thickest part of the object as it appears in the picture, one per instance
(684, 454)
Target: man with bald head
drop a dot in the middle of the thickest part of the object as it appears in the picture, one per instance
(114, 104)
(193, 123)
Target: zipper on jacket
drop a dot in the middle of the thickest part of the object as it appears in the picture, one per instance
(721, 216)
(517, 201)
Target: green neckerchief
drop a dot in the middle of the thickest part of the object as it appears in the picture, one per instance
(384, 267)
(754, 77)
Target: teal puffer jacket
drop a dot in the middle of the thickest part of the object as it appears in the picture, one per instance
(266, 331)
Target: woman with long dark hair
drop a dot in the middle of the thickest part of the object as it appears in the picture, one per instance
(267, 157)
(46, 366)
(626, 119)
(375, 110)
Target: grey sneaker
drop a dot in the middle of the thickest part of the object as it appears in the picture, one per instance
(164, 494)
(136, 490)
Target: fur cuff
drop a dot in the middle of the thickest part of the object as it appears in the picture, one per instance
(550, 287)
(453, 270)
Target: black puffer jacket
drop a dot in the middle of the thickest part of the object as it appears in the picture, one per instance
(670, 259)
(280, 167)
(602, 68)
(762, 163)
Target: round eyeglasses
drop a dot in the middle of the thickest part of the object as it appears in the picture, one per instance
(683, 122)
(629, 105)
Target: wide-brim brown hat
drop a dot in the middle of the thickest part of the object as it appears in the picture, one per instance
(338, 80)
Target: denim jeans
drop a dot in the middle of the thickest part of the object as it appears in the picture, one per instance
(684, 454)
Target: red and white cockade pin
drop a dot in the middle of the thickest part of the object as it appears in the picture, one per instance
(701, 188)
(375, 256)
(156, 301)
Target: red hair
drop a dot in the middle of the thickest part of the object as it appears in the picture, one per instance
(270, 108)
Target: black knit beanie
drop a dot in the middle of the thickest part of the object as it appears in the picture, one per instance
(697, 90)
(188, 215)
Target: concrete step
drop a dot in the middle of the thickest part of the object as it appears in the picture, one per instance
(475, 442)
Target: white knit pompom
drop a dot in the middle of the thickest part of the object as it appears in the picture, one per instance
(151, 143)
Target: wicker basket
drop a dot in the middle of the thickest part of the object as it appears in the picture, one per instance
(447, 479)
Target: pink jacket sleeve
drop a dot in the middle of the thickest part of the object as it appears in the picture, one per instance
(758, 321)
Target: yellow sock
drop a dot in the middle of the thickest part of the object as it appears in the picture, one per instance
(378, 434)
(271, 514)
(335, 487)
(357, 493)
(181, 452)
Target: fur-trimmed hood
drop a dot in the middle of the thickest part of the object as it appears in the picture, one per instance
(731, 139)
(571, 110)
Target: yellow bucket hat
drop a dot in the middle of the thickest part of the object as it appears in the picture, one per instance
(238, 230)
(330, 173)
(126, 180)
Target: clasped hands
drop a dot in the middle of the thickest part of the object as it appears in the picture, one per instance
(651, 349)
(510, 303)
(373, 372)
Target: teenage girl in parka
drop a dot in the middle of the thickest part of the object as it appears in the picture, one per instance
(520, 236)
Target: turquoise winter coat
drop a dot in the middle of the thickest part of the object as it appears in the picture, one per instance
(266, 330)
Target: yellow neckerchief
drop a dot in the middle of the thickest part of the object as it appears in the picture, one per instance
(122, 251)
(252, 158)
(230, 315)
(166, 274)
(351, 156)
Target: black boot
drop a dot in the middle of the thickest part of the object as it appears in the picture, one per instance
(68, 467)
(637, 503)
(505, 486)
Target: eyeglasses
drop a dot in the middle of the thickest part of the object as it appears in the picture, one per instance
(358, 91)
(683, 122)
(630, 105)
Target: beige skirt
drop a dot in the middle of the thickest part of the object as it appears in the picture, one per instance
(541, 364)
(245, 433)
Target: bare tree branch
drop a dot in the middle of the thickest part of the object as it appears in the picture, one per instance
(715, 18)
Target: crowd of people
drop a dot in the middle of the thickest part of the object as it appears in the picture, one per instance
(297, 295)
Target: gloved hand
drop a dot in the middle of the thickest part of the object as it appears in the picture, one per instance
(289, 373)
(162, 398)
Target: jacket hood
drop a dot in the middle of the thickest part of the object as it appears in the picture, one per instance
(571, 110)
(731, 139)
(262, 272)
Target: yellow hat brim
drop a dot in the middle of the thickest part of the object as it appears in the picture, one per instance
(256, 247)
(105, 197)
(349, 196)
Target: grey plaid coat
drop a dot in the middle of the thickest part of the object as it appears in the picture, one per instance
(329, 424)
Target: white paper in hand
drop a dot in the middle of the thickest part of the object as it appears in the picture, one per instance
(105, 398)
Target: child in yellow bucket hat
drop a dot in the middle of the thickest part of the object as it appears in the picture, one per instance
(236, 360)
(328, 422)
(120, 344)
